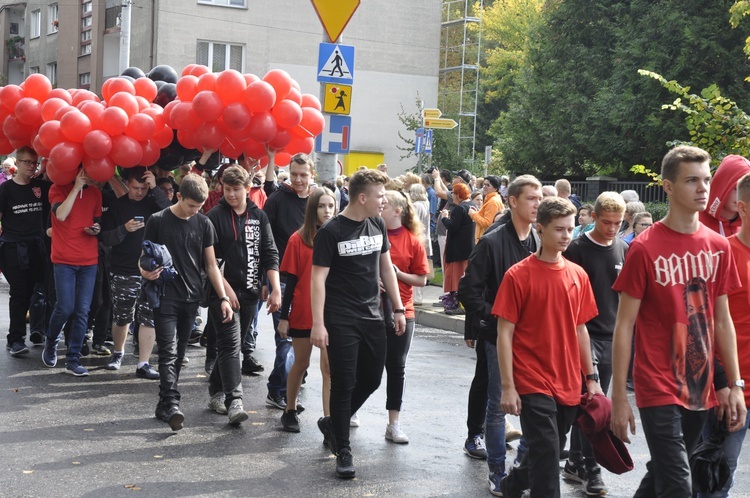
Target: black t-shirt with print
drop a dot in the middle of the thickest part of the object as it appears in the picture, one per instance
(24, 208)
(351, 250)
(185, 240)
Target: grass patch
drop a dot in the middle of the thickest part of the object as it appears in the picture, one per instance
(437, 280)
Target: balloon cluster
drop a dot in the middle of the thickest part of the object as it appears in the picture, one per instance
(158, 118)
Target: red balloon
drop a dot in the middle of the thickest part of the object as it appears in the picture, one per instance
(106, 92)
(294, 96)
(59, 175)
(231, 149)
(28, 111)
(151, 153)
(75, 125)
(264, 161)
(50, 134)
(296, 86)
(124, 101)
(99, 170)
(186, 70)
(164, 136)
(97, 144)
(83, 96)
(309, 100)
(14, 129)
(67, 156)
(250, 78)
(187, 87)
(141, 127)
(236, 116)
(63, 111)
(5, 146)
(262, 127)
(313, 121)
(280, 141)
(208, 106)
(10, 95)
(146, 88)
(60, 93)
(114, 121)
(209, 135)
(51, 106)
(121, 85)
(282, 159)
(126, 151)
(280, 81)
(21, 142)
(157, 114)
(238, 135)
(143, 104)
(184, 117)
(37, 86)
(288, 114)
(207, 82)
(199, 70)
(186, 137)
(36, 144)
(230, 85)
(300, 145)
(259, 96)
(95, 111)
(255, 150)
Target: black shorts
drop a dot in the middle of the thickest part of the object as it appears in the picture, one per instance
(299, 333)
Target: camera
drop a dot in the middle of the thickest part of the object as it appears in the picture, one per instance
(430, 170)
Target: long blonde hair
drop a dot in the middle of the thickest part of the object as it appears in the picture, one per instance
(409, 218)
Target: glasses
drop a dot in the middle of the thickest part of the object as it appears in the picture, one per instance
(168, 190)
(645, 225)
(27, 161)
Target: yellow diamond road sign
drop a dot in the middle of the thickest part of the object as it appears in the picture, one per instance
(338, 99)
(335, 15)
(432, 113)
(442, 123)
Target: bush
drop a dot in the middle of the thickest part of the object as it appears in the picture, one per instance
(658, 210)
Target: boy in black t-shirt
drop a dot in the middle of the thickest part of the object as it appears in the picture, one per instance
(350, 257)
(189, 237)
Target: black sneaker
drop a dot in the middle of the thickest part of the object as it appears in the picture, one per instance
(18, 348)
(474, 447)
(250, 365)
(195, 336)
(329, 438)
(290, 421)
(276, 401)
(574, 473)
(594, 483)
(100, 350)
(147, 372)
(171, 415)
(345, 464)
(37, 338)
(85, 348)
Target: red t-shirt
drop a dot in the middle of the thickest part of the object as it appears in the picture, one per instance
(546, 302)
(739, 307)
(408, 254)
(298, 262)
(677, 277)
(70, 244)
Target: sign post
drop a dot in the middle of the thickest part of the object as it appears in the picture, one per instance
(487, 158)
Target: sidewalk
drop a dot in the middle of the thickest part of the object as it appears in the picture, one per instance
(430, 316)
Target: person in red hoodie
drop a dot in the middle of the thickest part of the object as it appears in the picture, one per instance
(721, 214)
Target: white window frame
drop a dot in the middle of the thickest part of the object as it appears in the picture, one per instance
(84, 79)
(52, 72)
(33, 69)
(85, 49)
(86, 35)
(35, 24)
(86, 22)
(52, 16)
(225, 3)
(87, 7)
(227, 53)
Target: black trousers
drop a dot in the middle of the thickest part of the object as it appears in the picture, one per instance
(226, 376)
(173, 322)
(395, 364)
(545, 425)
(21, 282)
(356, 354)
(248, 311)
(477, 408)
(672, 433)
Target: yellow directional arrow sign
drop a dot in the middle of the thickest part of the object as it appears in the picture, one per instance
(445, 124)
(432, 113)
(335, 15)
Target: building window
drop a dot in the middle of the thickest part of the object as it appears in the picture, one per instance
(84, 80)
(86, 6)
(225, 3)
(220, 56)
(36, 23)
(52, 73)
(33, 69)
(86, 22)
(14, 28)
(52, 19)
(86, 49)
(86, 35)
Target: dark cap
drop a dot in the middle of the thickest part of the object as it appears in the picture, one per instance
(464, 175)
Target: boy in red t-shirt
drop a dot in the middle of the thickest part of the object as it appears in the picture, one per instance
(674, 287)
(542, 306)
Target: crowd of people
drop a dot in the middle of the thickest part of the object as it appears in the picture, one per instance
(564, 301)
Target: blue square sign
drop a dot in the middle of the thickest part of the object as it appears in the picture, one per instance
(336, 135)
(336, 63)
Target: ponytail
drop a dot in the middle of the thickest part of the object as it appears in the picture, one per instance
(409, 218)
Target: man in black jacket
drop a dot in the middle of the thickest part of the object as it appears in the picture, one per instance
(493, 255)
(245, 247)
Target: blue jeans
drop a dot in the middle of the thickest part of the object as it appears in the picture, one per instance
(494, 424)
(284, 358)
(74, 286)
(732, 447)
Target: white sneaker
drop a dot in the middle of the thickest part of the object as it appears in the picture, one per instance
(216, 403)
(394, 433)
(354, 421)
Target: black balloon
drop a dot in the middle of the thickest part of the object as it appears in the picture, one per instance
(129, 78)
(159, 83)
(134, 72)
(164, 73)
(166, 94)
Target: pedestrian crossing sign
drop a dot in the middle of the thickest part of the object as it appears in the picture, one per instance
(337, 98)
(336, 63)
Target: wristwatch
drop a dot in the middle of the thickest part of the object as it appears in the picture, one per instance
(403, 311)
(593, 376)
(226, 298)
(739, 383)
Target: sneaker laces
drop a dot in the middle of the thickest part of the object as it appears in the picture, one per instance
(479, 443)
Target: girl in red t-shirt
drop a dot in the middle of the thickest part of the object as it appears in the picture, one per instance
(297, 265)
(410, 262)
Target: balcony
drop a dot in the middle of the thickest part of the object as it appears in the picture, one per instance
(112, 19)
(15, 47)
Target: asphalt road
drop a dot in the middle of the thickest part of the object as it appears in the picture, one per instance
(64, 436)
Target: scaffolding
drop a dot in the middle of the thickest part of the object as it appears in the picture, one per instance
(460, 38)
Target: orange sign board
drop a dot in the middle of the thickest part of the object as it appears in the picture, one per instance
(335, 15)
